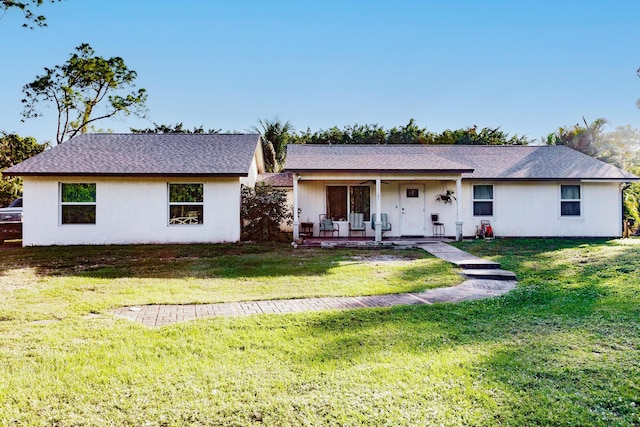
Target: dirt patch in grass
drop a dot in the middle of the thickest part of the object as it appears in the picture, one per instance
(16, 279)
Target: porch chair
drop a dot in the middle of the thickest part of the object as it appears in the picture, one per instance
(438, 227)
(386, 225)
(356, 223)
(327, 225)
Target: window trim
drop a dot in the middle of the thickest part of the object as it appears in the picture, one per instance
(170, 204)
(62, 203)
(578, 200)
(347, 200)
(492, 200)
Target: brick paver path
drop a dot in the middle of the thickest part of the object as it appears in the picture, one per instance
(161, 315)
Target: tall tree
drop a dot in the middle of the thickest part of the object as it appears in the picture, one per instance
(13, 150)
(275, 137)
(638, 101)
(620, 147)
(409, 134)
(178, 128)
(471, 136)
(628, 141)
(85, 89)
(589, 139)
(27, 8)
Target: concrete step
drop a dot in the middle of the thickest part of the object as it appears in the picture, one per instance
(493, 274)
(473, 264)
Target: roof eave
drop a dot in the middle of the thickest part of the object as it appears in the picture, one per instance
(128, 174)
(399, 171)
(584, 179)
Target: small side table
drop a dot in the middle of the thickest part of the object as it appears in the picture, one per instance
(306, 229)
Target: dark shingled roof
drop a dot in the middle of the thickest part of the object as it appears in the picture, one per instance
(145, 154)
(475, 161)
(368, 158)
(284, 179)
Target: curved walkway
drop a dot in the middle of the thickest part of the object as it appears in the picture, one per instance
(471, 289)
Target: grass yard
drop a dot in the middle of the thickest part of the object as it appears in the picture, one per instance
(62, 282)
(562, 349)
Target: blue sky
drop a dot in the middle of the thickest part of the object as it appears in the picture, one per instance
(526, 66)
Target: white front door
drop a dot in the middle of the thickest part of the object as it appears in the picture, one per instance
(412, 216)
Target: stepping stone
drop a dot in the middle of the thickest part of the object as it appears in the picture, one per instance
(483, 273)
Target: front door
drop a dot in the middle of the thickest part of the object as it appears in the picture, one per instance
(412, 217)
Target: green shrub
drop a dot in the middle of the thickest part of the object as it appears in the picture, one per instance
(264, 209)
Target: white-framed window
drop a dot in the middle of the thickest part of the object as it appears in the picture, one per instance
(345, 199)
(186, 203)
(570, 200)
(77, 203)
(483, 200)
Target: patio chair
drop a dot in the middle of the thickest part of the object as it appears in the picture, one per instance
(356, 223)
(386, 225)
(327, 225)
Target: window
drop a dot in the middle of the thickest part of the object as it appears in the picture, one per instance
(357, 198)
(360, 200)
(570, 200)
(413, 192)
(483, 200)
(337, 202)
(186, 203)
(78, 203)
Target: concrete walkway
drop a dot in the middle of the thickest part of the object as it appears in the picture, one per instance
(472, 289)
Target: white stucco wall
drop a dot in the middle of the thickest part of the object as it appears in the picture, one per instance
(130, 211)
(521, 209)
(532, 209)
(254, 169)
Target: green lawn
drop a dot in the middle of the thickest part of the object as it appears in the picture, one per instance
(561, 349)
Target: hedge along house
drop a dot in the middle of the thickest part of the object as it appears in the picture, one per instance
(541, 191)
(138, 188)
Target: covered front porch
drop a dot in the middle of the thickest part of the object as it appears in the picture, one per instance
(390, 207)
(369, 242)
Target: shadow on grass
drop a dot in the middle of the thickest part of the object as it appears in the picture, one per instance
(441, 326)
(552, 351)
(552, 354)
(553, 295)
(230, 261)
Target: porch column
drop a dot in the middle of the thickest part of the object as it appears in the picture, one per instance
(378, 218)
(296, 222)
(458, 210)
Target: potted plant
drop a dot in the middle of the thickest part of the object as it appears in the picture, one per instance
(447, 197)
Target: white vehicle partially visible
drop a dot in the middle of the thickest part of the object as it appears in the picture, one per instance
(11, 221)
(13, 212)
